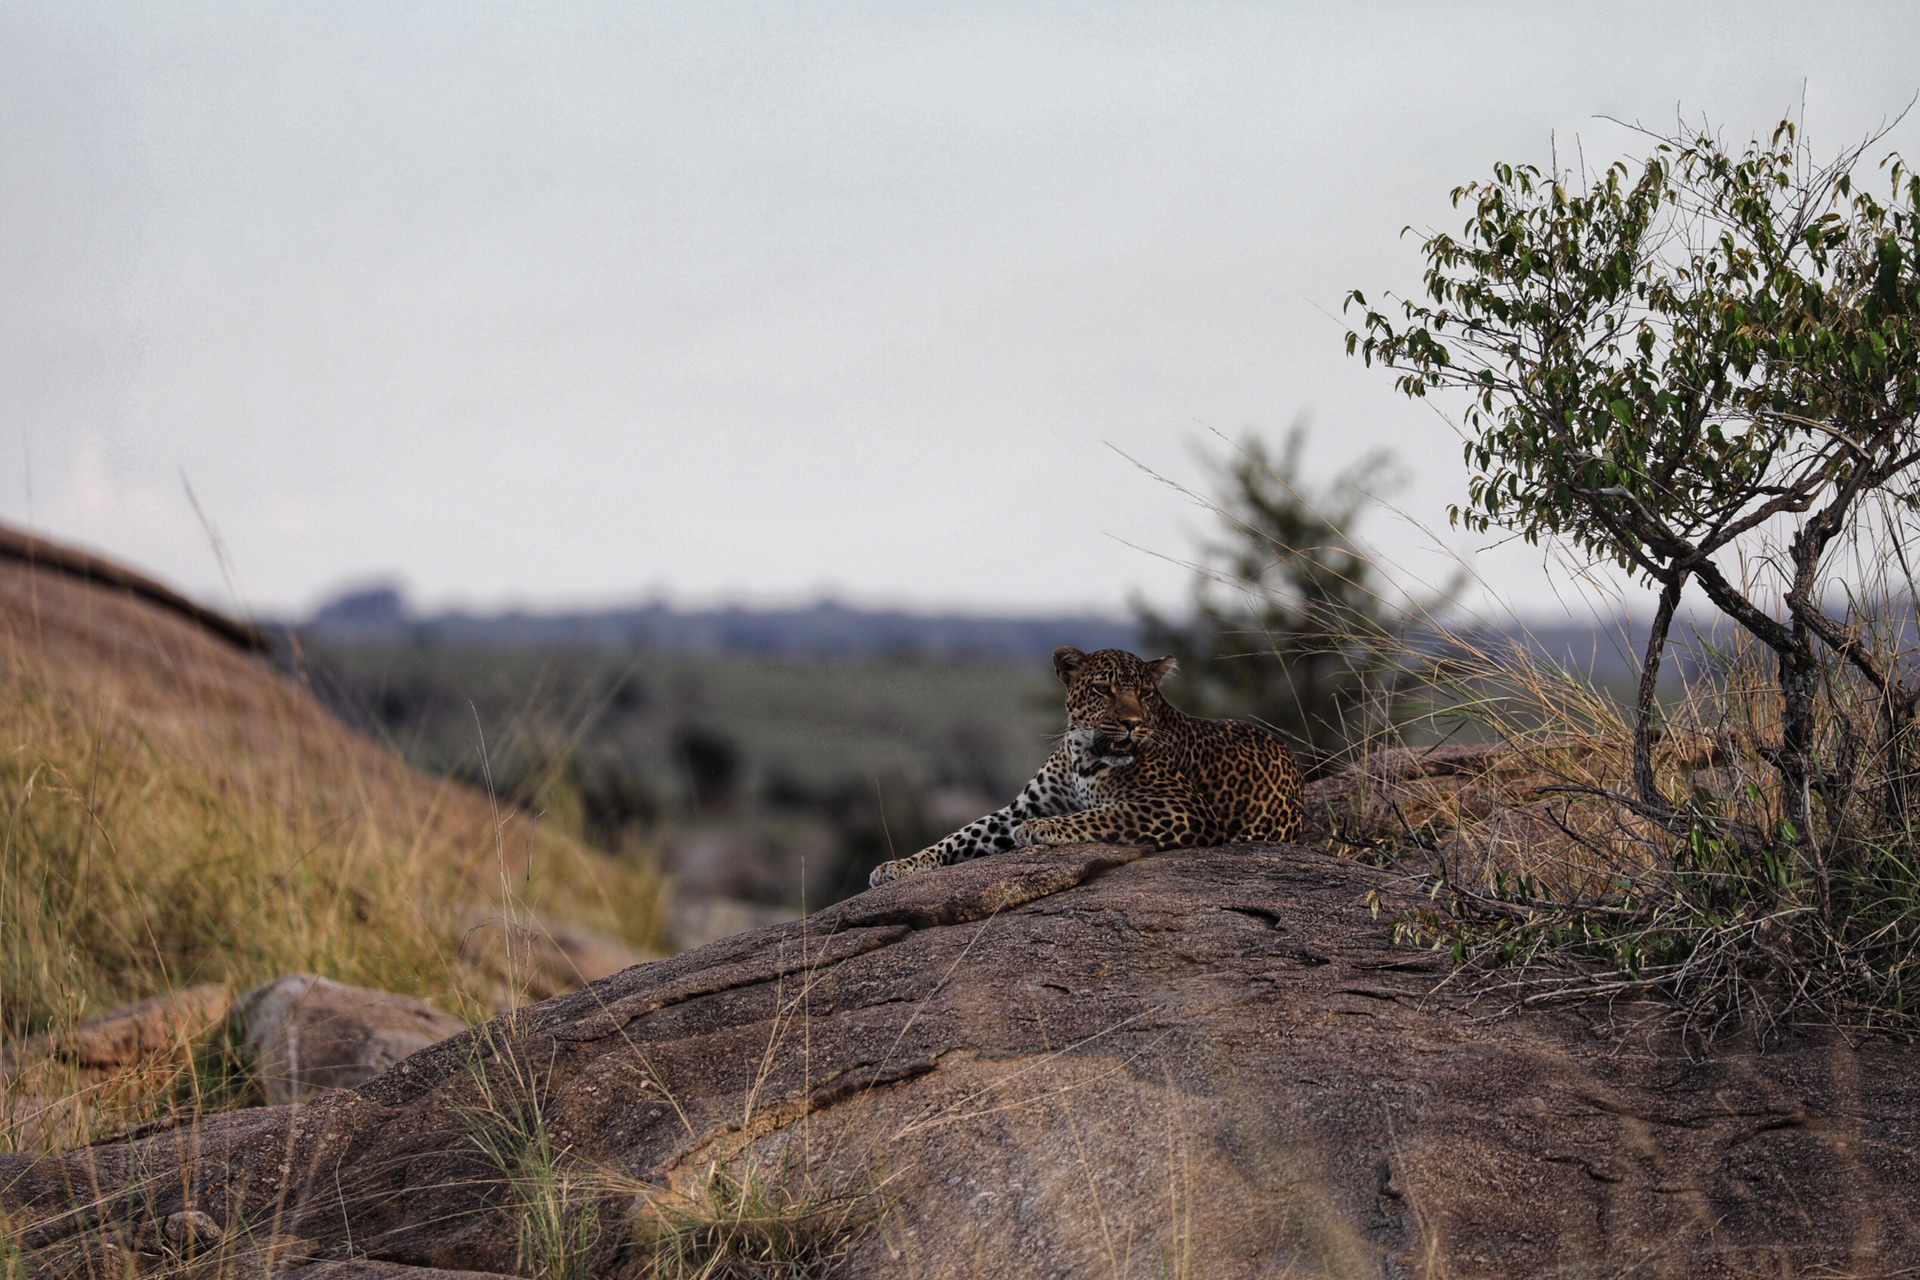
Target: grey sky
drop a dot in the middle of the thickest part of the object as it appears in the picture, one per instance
(563, 303)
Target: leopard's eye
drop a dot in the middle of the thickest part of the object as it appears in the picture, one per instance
(1103, 688)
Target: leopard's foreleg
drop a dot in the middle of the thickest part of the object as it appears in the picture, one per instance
(1152, 822)
(1049, 792)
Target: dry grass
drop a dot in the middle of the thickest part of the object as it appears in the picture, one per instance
(177, 813)
(1534, 799)
(735, 1215)
(750, 1224)
(1539, 851)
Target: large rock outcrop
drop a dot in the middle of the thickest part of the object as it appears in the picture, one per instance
(1069, 1062)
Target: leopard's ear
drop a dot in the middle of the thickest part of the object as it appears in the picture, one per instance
(1067, 659)
(1161, 668)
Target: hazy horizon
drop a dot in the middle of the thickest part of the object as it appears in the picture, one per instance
(591, 303)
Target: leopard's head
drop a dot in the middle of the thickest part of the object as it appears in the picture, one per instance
(1113, 700)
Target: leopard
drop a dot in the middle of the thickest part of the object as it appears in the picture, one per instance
(1133, 769)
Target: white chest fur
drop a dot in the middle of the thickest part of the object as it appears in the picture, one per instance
(1093, 776)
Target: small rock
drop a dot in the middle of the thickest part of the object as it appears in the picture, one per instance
(300, 1034)
(56, 1086)
(164, 1026)
(190, 1231)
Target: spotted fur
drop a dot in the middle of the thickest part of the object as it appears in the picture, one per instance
(1134, 769)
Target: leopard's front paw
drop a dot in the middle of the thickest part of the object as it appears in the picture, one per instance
(898, 869)
(1035, 832)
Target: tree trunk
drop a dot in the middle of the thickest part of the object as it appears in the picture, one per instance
(1897, 701)
(1799, 684)
(1643, 781)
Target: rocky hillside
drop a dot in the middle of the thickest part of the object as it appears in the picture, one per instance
(180, 812)
(83, 638)
(1072, 1063)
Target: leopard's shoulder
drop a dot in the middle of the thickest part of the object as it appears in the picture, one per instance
(1248, 777)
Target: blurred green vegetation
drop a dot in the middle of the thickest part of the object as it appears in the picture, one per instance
(872, 756)
(1291, 624)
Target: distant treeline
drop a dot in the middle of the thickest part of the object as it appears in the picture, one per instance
(823, 629)
(1603, 650)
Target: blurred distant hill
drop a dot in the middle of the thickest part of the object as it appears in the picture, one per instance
(827, 628)
(382, 615)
